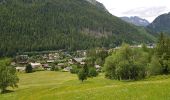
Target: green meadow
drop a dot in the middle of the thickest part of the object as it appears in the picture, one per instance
(47, 85)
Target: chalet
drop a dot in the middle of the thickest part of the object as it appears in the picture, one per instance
(20, 69)
(61, 65)
(53, 56)
(81, 53)
(98, 67)
(45, 57)
(79, 60)
(46, 67)
(50, 61)
(151, 46)
(70, 61)
(22, 59)
(13, 64)
(67, 69)
(36, 65)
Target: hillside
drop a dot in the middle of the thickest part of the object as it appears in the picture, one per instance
(136, 21)
(36, 25)
(65, 86)
(97, 4)
(160, 24)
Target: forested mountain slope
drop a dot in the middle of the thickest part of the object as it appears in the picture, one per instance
(161, 24)
(36, 25)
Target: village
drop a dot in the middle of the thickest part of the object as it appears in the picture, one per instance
(55, 61)
(49, 61)
(58, 60)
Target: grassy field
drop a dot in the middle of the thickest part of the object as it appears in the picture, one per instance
(65, 86)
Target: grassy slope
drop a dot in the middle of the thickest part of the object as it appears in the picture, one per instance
(65, 86)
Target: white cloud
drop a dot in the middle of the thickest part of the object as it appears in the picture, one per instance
(148, 9)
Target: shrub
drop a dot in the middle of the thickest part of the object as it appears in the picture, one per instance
(155, 67)
(29, 69)
(82, 74)
(92, 72)
(74, 69)
(54, 68)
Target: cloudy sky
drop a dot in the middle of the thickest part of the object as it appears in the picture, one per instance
(148, 9)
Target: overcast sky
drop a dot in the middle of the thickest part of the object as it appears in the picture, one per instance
(148, 9)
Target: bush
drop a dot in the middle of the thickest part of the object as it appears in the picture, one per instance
(74, 69)
(82, 74)
(56, 69)
(155, 67)
(29, 69)
(92, 72)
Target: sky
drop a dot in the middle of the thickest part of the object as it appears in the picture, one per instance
(147, 9)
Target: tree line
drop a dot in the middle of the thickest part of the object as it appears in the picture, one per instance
(136, 63)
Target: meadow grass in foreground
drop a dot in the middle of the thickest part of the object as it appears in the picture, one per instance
(49, 85)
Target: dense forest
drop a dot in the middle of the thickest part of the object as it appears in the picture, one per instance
(37, 25)
(160, 24)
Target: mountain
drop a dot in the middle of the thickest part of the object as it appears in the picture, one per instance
(136, 21)
(160, 24)
(38, 25)
(97, 4)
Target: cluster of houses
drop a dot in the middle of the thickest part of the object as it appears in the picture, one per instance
(47, 61)
(60, 60)
(150, 46)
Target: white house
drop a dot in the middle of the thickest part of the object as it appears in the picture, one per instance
(67, 69)
(79, 60)
(20, 69)
(50, 61)
(36, 65)
(97, 66)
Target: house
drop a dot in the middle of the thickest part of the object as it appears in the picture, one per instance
(79, 60)
(67, 69)
(98, 67)
(61, 65)
(36, 65)
(13, 64)
(45, 57)
(151, 46)
(81, 53)
(53, 56)
(22, 59)
(70, 61)
(50, 61)
(46, 67)
(20, 69)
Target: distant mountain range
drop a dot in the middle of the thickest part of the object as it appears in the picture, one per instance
(136, 21)
(160, 24)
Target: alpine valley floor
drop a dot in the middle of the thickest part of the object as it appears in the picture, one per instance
(48, 85)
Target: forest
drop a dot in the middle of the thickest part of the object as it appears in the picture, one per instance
(32, 25)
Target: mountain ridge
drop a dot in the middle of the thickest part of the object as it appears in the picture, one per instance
(136, 21)
(160, 24)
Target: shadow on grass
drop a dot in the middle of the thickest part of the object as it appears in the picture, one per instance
(7, 91)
